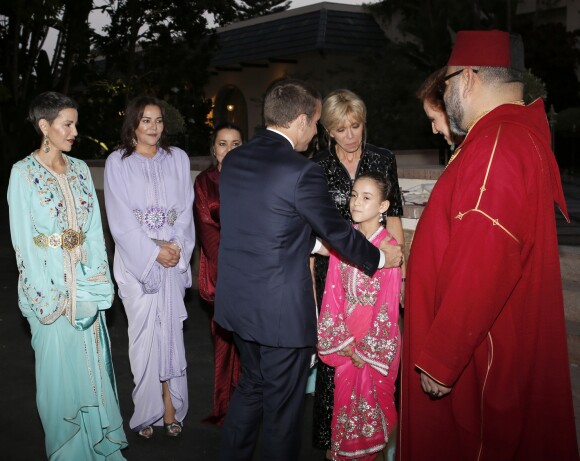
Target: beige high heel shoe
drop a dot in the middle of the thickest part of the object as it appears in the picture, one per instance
(172, 429)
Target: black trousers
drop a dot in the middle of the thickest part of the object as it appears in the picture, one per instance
(270, 392)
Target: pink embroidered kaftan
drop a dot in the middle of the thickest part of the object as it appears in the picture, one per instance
(362, 311)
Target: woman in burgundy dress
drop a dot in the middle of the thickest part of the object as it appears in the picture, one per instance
(206, 209)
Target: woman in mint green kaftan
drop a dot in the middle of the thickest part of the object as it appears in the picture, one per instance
(64, 288)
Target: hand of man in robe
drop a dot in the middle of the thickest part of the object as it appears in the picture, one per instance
(393, 254)
(432, 387)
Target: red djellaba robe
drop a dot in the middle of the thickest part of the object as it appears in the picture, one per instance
(484, 311)
(207, 224)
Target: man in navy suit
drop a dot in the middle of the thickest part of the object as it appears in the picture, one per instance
(273, 202)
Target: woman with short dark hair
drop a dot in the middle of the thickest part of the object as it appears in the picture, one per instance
(64, 289)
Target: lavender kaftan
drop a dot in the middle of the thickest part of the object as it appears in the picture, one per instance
(151, 199)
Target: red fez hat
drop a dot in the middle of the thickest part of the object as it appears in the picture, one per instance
(481, 48)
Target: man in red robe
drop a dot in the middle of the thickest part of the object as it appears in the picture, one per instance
(485, 366)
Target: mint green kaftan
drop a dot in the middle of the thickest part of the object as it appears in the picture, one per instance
(63, 293)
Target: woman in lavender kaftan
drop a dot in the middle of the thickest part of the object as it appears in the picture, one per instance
(64, 289)
(149, 200)
(358, 335)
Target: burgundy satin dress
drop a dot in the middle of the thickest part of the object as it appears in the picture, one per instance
(206, 210)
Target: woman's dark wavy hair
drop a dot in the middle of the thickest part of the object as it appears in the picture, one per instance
(47, 106)
(430, 89)
(223, 126)
(133, 115)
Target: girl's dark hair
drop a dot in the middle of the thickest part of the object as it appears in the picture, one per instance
(223, 126)
(47, 106)
(384, 185)
(133, 115)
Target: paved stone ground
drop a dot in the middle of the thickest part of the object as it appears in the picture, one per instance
(20, 429)
(569, 233)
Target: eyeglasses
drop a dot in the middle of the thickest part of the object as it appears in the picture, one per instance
(441, 86)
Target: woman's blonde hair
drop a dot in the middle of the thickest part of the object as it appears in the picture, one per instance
(337, 107)
(340, 104)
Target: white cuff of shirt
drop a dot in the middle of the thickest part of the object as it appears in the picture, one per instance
(317, 246)
(382, 259)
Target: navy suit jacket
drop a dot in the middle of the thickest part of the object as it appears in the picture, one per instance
(272, 202)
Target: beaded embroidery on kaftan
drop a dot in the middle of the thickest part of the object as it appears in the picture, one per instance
(362, 420)
(378, 347)
(361, 311)
(57, 193)
(69, 211)
(39, 299)
(361, 289)
(333, 334)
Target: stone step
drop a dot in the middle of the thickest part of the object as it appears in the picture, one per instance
(570, 262)
(573, 330)
(570, 268)
(571, 291)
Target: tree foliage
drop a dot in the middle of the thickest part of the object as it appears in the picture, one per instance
(26, 69)
(428, 27)
(552, 55)
(161, 48)
(422, 33)
(164, 48)
(247, 9)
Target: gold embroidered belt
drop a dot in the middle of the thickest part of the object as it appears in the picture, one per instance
(69, 240)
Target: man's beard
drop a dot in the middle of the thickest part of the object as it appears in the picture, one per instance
(454, 110)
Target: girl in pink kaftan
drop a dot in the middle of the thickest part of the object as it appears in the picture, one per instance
(358, 334)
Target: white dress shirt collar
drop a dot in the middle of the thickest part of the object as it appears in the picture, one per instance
(281, 134)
